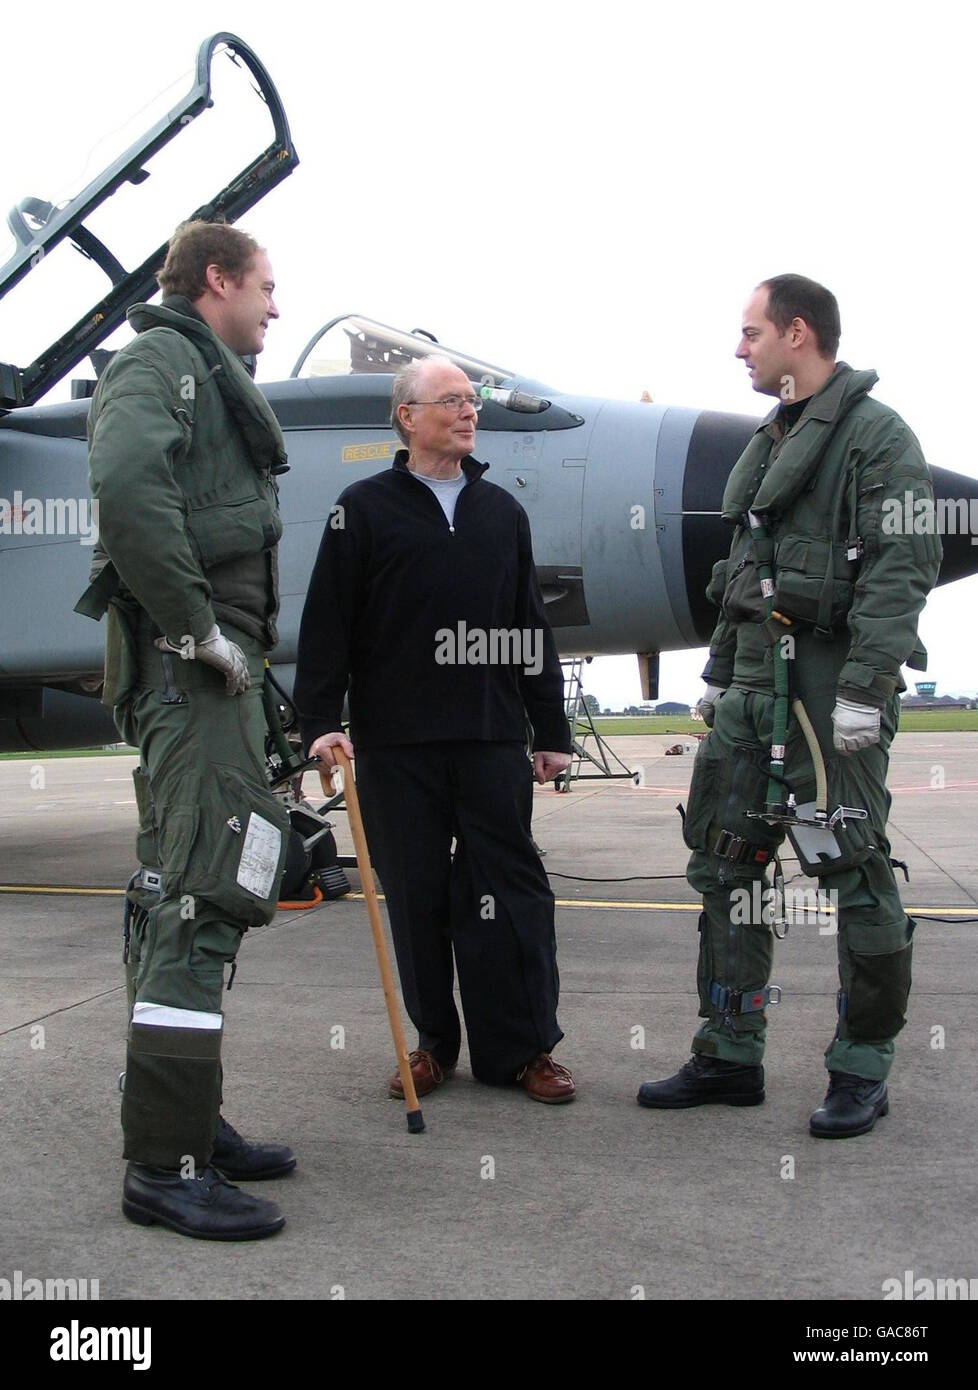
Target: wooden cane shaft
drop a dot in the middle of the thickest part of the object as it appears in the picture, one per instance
(376, 925)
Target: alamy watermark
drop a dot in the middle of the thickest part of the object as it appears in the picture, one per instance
(26, 1288)
(763, 906)
(925, 516)
(78, 1343)
(497, 646)
(926, 1289)
(49, 516)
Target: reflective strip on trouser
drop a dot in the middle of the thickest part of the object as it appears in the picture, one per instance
(729, 778)
(165, 1016)
(172, 1094)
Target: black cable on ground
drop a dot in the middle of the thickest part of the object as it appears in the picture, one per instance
(656, 878)
(927, 917)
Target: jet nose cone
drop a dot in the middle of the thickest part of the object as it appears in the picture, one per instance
(956, 506)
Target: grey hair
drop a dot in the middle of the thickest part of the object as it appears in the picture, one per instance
(406, 382)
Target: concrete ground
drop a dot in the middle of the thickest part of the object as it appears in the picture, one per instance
(500, 1197)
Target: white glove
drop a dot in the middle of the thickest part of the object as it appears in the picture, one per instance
(854, 726)
(707, 704)
(218, 651)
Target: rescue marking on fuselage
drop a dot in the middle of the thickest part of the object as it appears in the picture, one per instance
(365, 453)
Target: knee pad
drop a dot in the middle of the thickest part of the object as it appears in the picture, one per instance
(876, 987)
(172, 1095)
(876, 1002)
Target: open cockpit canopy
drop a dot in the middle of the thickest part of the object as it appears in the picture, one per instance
(351, 344)
(103, 213)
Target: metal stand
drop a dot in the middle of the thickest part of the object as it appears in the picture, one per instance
(582, 729)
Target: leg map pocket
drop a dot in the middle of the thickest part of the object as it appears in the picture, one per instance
(240, 850)
(703, 792)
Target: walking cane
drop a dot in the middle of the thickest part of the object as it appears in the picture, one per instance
(415, 1120)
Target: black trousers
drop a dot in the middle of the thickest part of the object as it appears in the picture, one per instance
(491, 900)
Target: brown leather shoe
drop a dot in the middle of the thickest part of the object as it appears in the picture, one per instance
(546, 1080)
(427, 1074)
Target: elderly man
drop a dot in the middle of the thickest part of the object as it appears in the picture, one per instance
(819, 604)
(424, 604)
(183, 453)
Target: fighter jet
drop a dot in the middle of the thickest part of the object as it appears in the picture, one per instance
(623, 498)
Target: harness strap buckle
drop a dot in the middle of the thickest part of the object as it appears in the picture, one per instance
(150, 879)
(743, 1001)
(740, 851)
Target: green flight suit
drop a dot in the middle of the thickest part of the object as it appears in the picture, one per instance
(854, 588)
(182, 452)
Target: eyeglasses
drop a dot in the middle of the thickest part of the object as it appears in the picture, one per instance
(454, 403)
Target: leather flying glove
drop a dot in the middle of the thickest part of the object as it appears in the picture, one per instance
(707, 703)
(854, 726)
(218, 651)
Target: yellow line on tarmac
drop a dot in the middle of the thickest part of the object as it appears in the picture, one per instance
(800, 910)
(602, 904)
(697, 907)
(801, 907)
(43, 888)
(605, 902)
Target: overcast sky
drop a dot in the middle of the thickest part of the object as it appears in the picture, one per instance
(585, 193)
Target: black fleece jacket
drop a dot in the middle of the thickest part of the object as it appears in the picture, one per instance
(392, 579)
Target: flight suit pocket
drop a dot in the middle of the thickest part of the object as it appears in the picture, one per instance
(705, 973)
(703, 794)
(121, 663)
(147, 850)
(242, 846)
(717, 584)
(177, 831)
(227, 530)
(742, 600)
(801, 567)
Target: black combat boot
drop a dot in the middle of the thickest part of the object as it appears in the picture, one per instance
(246, 1162)
(851, 1106)
(705, 1081)
(205, 1206)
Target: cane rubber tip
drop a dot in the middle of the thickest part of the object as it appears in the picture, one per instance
(415, 1121)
